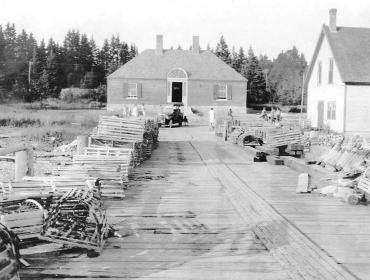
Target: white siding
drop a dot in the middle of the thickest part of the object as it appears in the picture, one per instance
(358, 109)
(326, 92)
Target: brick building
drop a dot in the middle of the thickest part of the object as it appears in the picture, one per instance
(163, 76)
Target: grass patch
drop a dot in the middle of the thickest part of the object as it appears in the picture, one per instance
(18, 116)
(48, 128)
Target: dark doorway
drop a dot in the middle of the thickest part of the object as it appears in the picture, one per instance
(176, 92)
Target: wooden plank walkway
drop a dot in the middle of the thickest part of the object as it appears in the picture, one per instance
(301, 258)
(177, 223)
(194, 209)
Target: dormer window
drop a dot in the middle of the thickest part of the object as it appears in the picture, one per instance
(331, 66)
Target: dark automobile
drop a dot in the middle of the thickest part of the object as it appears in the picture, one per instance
(176, 117)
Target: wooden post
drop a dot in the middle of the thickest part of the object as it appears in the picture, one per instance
(82, 142)
(23, 164)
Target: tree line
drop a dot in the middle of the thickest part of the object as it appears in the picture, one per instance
(33, 71)
(269, 81)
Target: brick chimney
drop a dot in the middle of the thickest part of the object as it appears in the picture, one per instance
(159, 44)
(196, 47)
(333, 20)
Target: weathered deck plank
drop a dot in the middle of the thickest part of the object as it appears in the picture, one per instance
(177, 223)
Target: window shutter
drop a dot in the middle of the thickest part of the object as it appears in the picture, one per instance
(139, 90)
(215, 92)
(125, 90)
(168, 91)
(229, 92)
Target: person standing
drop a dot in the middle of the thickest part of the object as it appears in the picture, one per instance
(211, 119)
(278, 114)
(142, 109)
(263, 113)
(135, 111)
(230, 113)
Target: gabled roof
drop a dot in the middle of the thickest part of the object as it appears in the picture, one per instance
(351, 51)
(202, 66)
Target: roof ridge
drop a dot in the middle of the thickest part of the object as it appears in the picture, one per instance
(350, 49)
(203, 66)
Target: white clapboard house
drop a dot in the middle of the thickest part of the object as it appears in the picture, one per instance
(338, 79)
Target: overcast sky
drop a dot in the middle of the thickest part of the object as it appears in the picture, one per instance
(270, 26)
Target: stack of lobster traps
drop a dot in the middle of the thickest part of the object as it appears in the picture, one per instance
(349, 157)
(67, 211)
(142, 134)
(67, 207)
(279, 138)
(77, 219)
(116, 146)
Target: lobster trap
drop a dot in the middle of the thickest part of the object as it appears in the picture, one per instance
(77, 219)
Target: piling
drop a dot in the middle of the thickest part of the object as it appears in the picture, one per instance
(23, 164)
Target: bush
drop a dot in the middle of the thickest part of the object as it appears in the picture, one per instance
(259, 107)
(100, 94)
(22, 122)
(297, 110)
(70, 95)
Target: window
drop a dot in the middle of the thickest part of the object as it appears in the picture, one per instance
(222, 92)
(132, 91)
(331, 110)
(331, 65)
(319, 70)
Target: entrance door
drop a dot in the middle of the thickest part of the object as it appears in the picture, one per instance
(176, 91)
(320, 114)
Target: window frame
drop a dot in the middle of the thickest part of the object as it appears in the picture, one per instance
(331, 69)
(331, 110)
(319, 73)
(219, 97)
(129, 95)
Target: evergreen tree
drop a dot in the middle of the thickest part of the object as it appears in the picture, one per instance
(124, 53)
(256, 88)
(38, 67)
(86, 62)
(133, 51)
(286, 76)
(105, 56)
(3, 90)
(115, 54)
(240, 60)
(86, 55)
(22, 57)
(222, 51)
(2, 48)
(10, 62)
(52, 77)
(234, 58)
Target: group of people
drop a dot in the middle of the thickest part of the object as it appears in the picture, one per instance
(134, 111)
(212, 119)
(274, 116)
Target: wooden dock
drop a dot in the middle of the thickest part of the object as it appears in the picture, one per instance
(176, 222)
(195, 210)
